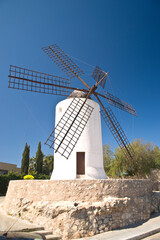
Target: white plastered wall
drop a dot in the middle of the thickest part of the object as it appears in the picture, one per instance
(89, 142)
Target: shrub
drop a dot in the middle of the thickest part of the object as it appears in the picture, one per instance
(4, 181)
(41, 176)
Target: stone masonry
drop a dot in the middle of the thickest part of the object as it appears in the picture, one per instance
(80, 208)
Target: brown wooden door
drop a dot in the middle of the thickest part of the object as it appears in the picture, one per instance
(80, 163)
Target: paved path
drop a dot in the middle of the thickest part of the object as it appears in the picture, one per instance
(136, 232)
(153, 237)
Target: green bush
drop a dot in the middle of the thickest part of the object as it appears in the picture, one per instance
(41, 176)
(4, 181)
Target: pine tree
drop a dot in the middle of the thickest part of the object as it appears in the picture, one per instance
(25, 159)
(39, 159)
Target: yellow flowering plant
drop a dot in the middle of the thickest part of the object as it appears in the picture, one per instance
(27, 177)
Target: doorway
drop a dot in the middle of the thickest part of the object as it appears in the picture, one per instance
(80, 163)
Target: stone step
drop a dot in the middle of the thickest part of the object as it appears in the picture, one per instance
(81, 176)
(47, 234)
(30, 229)
(51, 237)
(43, 232)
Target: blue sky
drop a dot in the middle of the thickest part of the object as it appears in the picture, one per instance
(120, 36)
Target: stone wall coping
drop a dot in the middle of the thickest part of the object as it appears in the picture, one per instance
(86, 180)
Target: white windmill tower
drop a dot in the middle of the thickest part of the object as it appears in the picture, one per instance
(86, 159)
(76, 139)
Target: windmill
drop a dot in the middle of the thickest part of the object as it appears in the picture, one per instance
(71, 125)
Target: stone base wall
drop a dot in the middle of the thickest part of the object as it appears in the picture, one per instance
(156, 186)
(155, 175)
(81, 208)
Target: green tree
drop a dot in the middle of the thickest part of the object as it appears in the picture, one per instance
(32, 166)
(147, 156)
(157, 157)
(39, 159)
(48, 162)
(107, 157)
(119, 165)
(25, 159)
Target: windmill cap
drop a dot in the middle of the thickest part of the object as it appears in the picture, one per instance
(78, 94)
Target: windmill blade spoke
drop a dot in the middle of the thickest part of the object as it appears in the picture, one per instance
(61, 59)
(117, 102)
(29, 80)
(117, 132)
(70, 127)
(98, 74)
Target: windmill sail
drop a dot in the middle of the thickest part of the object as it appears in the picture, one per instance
(117, 132)
(61, 59)
(70, 127)
(29, 80)
(98, 74)
(117, 102)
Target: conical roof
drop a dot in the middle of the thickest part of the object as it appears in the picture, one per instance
(77, 94)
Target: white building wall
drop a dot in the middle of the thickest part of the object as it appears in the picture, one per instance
(89, 142)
